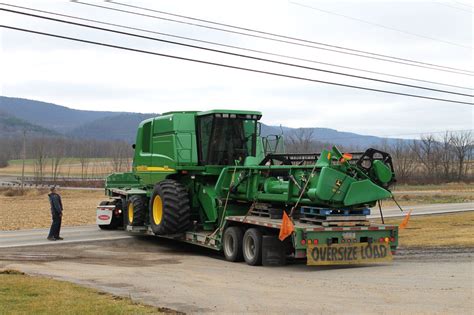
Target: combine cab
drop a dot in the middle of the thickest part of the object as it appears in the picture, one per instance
(207, 178)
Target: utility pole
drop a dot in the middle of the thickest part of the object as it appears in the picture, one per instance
(23, 164)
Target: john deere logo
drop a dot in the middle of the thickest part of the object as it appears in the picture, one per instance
(338, 183)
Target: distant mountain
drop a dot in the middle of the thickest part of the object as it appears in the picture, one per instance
(47, 118)
(11, 126)
(59, 118)
(117, 127)
(327, 135)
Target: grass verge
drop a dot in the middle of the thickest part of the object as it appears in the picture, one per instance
(23, 294)
(455, 229)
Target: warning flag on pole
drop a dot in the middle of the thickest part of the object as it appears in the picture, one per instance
(286, 228)
(405, 221)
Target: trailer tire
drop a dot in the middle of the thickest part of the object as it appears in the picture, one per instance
(252, 247)
(232, 244)
(114, 223)
(170, 212)
(136, 210)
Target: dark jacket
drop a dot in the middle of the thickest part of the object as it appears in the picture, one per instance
(56, 203)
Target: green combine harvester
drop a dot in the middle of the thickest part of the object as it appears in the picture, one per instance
(209, 178)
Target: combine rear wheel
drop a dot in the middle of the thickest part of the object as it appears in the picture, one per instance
(170, 212)
(252, 247)
(136, 210)
(232, 243)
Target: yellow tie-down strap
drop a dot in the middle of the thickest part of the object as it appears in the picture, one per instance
(143, 168)
(348, 253)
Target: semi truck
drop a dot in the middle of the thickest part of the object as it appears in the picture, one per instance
(210, 178)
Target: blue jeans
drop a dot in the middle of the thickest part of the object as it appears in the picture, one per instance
(55, 226)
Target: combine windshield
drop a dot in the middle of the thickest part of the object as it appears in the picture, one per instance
(226, 138)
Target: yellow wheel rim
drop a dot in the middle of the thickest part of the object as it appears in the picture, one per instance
(130, 212)
(157, 210)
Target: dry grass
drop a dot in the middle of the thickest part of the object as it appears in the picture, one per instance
(32, 210)
(22, 294)
(455, 229)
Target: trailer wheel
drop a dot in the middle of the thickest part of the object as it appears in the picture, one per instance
(252, 247)
(114, 223)
(170, 212)
(232, 243)
(136, 210)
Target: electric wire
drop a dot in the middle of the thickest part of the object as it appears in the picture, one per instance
(232, 54)
(380, 25)
(451, 6)
(231, 66)
(234, 47)
(442, 68)
(268, 33)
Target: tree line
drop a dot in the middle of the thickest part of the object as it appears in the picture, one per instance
(429, 160)
(49, 154)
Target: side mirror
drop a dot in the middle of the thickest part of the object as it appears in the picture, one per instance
(133, 146)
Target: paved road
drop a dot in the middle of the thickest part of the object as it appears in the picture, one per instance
(191, 279)
(423, 209)
(72, 234)
(87, 233)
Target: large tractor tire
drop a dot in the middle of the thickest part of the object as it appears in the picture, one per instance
(252, 247)
(170, 212)
(232, 243)
(136, 210)
(115, 222)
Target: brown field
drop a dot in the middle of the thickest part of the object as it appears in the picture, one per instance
(32, 210)
(455, 229)
(67, 168)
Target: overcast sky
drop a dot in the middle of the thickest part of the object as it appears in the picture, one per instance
(83, 76)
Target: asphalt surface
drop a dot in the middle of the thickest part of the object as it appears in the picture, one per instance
(193, 279)
(88, 233)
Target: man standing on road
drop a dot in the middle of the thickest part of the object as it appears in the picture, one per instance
(56, 213)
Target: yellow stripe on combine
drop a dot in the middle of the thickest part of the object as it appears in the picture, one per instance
(154, 169)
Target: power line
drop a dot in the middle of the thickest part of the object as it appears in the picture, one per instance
(380, 25)
(232, 54)
(231, 66)
(467, 5)
(451, 6)
(444, 69)
(264, 33)
(234, 47)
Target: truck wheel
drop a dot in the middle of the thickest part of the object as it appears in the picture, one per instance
(252, 247)
(136, 210)
(114, 223)
(170, 212)
(232, 243)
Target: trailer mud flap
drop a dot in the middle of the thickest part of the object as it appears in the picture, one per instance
(348, 253)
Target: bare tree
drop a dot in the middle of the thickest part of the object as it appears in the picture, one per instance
(463, 146)
(300, 140)
(39, 148)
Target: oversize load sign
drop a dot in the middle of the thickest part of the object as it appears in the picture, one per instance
(343, 254)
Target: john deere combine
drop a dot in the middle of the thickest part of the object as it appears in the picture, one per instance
(208, 178)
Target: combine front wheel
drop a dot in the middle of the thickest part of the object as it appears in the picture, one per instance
(170, 212)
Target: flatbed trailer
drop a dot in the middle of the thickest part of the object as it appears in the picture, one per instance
(319, 245)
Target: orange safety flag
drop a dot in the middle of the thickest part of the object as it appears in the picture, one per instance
(405, 221)
(347, 156)
(286, 228)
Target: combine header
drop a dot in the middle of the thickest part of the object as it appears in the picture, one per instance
(207, 178)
